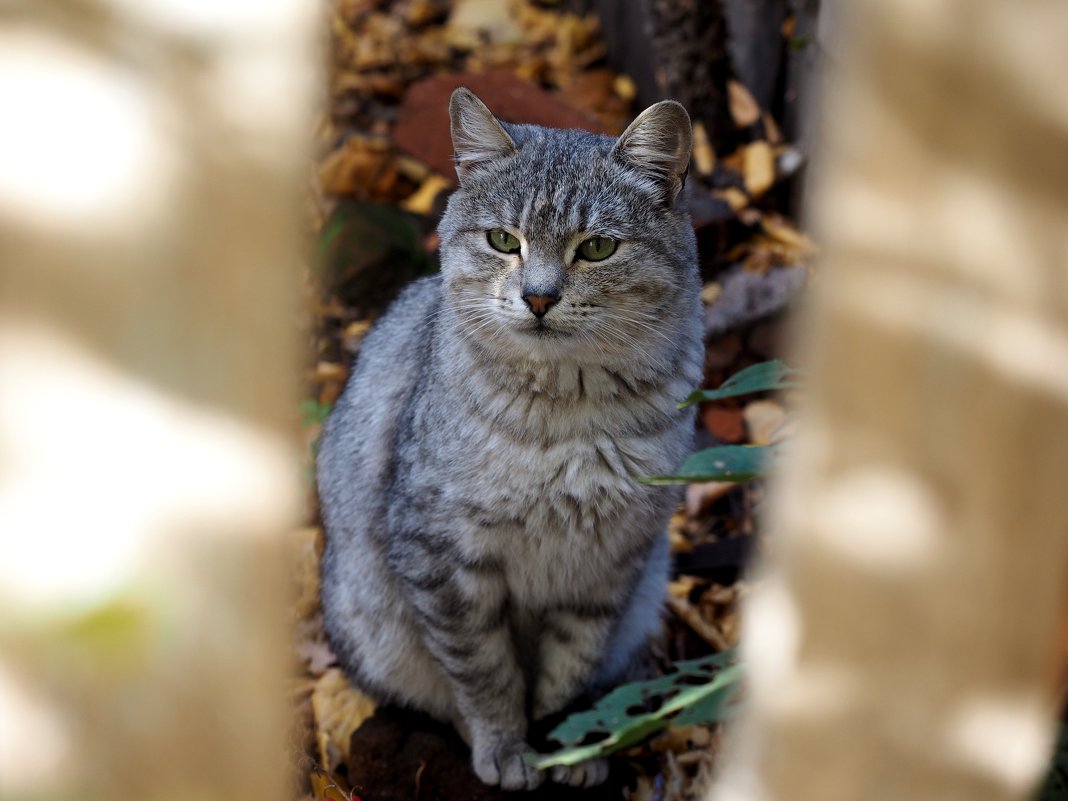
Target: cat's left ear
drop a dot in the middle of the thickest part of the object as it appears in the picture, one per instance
(657, 144)
(477, 137)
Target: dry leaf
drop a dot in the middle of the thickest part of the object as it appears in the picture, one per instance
(780, 229)
(355, 166)
(758, 168)
(700, 497)
(624, 87)
(788, 29)
(704, 158)
(353, 334)
(339, 710)
(744, 109)
(305, 547)
(733, 197)
(771, 130)
(682, 586)
(317, 655)
(330, 371)
(644, 791)
(709, 292)
(762, 420)
(678, 542)
(412, 169)
(681, 739)
(484, 21)
(693, 618)
(328, 787)
(422, 200)
(718, 594)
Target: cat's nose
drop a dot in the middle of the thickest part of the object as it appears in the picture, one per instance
(541, 303)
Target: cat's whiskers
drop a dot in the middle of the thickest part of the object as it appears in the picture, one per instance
(635, 320)
(468, 332)
(629, 343)
(459, 306)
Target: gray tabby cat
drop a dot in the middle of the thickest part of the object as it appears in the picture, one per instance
(489, 553)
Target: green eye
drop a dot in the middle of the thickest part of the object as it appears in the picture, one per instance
(597, 248)
(503, 241)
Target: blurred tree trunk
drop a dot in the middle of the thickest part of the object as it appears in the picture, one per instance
(151, 159)
(676, 49)
(904, 642)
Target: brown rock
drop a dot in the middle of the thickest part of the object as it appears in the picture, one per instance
(726, 425)
(422, 127)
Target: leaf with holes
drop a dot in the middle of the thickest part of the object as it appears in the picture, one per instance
(723, 463)
(763, 377)
(698, 691)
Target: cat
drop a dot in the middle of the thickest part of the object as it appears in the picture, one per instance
(489, 552)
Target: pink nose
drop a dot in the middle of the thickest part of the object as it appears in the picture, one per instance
(539, 304)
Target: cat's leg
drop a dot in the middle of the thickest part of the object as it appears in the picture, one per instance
(462, 608)
(570, 649)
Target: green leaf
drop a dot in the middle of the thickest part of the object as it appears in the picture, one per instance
(763, 377)
(312, 412)
(367, 251)
(723, 463)
(698, 691)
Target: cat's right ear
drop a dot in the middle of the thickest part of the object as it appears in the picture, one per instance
(657, 145)
(477, 137)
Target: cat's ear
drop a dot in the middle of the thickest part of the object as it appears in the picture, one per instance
(657, 144)
(477, 137)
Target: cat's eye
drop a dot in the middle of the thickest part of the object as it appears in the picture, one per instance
(597, 248)
(503, 241)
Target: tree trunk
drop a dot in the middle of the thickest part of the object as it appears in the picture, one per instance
(903, 643)
(675, 49)
(151, 159)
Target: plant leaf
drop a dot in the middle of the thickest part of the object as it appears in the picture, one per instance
(723, 463)
(698, 691)
(368, 251)
(762, 377)
(312, 412)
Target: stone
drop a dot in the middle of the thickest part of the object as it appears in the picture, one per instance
(422, 128)
(725, 424)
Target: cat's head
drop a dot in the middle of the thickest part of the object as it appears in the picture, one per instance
(563, 241)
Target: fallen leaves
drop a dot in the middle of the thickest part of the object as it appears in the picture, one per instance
(758, 168)
(339, 710)
(744, 109)
(361, 166)
(704, 158)
(422, 200)
(763, 421)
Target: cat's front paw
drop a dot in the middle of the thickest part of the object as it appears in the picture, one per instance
(500, 761)
(585, 774)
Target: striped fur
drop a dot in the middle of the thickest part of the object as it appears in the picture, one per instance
(489, 554)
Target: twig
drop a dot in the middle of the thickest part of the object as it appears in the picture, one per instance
(692, 617)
